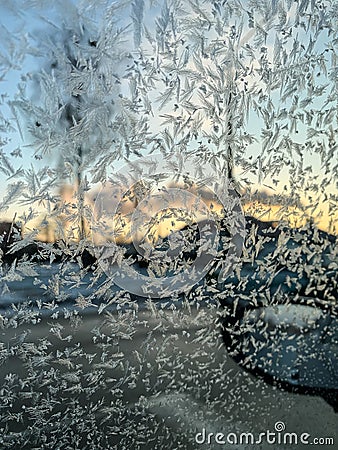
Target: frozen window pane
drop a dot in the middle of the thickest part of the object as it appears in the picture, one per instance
(168, 224)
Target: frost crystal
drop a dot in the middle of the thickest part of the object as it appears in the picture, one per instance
(168, 222)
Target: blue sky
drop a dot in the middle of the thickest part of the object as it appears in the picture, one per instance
(20, 19)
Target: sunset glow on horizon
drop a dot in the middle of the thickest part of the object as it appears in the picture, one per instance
(54, 226)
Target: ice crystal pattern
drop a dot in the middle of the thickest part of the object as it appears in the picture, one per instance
(248, 88)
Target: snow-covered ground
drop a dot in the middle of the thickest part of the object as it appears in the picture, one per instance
(141, 380)
(78, 351)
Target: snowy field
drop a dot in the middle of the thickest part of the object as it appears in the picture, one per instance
(167, 376)
(158, 368)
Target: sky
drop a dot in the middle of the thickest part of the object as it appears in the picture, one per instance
(300, 173)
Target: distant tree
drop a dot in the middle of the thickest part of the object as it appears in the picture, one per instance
(71, 64)
(73, 115)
